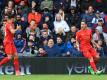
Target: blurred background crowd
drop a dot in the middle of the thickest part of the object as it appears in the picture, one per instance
(48, 27)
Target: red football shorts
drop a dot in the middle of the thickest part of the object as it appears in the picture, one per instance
(89, 52)
(9, 48)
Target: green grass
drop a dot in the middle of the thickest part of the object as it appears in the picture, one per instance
(53, 77)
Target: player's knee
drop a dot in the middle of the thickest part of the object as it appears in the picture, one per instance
(9, 57)
(97, 58)
(91, 59)
(16, 56)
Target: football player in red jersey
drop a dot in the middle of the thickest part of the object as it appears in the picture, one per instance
(9, 46)
(84, 37)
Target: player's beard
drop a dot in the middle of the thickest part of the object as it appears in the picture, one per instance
(83, 27)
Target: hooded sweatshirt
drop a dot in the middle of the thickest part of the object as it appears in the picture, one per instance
(61, 25)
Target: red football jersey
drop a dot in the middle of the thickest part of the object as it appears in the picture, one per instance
(8, 35)
(84, 37)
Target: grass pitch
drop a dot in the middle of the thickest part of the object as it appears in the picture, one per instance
(53, 77)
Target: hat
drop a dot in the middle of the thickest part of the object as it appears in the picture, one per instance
(99, 28)
(97, 12)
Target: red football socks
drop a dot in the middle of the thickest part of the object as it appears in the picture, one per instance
(16, 64)
(93, 66)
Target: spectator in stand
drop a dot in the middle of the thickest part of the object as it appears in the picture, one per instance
(19, 21)
(52, 49)
(32, 46)
(84, 4)
(44, 38)
(47, 4)
(58, 4)
(89, 15)
(22, 10)
(101, 24)
(100, 48)
(46, 28)
(60, 25)
(24, 6)
(72, 32)
(20, 42)
(10, 7)
(36, 1)
(35, 4)
(42, 53)
(72, 48)
(48, 19)
(61, 12)
(100, 36)
(35, 15)
(62, 46)
(4, 14)
(33, 27)
(73, 17)
(96, 18)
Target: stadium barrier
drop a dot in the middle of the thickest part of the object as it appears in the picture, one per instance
(44, 65)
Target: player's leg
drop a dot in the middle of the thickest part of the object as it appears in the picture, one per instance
(16, 64)
(16, 61)
(8, 51)
(87, 55)
(96, 57)
(92, 64)
(5, 60)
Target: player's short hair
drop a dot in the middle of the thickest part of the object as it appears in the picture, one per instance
(84, 21)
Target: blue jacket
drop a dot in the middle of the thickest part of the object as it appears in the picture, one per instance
(73, 51)
(63, 48)
(19, 43)
(88, 18)
(52, 52)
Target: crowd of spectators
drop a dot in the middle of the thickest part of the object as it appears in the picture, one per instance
(48, 27)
